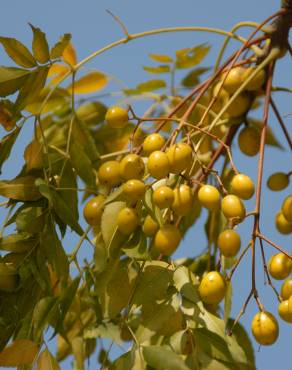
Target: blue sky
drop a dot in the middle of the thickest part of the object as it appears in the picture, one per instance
(93, 28)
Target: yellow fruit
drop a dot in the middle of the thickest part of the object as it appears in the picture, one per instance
(239, 106)
(265, 328)
(183, 200)
(109, 173)
(285, 310)
(132, 167)
(163, 197)
(280, 266)
(234, 79)
(287, 208)
(257, 82)
(232, 207)
(286, 289)
(278, 181)
(242, 186)
(212, 288)
(127, 220)
(134, 189)
(180, 157)
(167, 239)
(8, 277)
(158, 165)
(150, 226)
(117, 117)
(283, 226)
(249, 141)
(209, 197)
(93, 210)
(153, 142)
(229, 243)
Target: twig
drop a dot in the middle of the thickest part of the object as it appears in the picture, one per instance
(281, 122)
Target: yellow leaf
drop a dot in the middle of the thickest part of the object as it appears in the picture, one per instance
(57, 71)
(46, 361)
(33, 155)
(20, 352)
(89, 83)
(69, 55)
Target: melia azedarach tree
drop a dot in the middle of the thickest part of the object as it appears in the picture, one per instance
(144, 180)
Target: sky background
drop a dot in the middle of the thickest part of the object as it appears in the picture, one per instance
(92, 28)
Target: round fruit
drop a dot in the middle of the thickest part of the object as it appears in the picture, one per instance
(8, 277)
(127, 220)
(180, 157)
(232, 207)
(212, 288)
(283, 226)
(109, 173)
(209, 197)
(242, 186)
(278, 181)
(183, 200)
(167, 239)
(285, 310)
(287, 208)
(229, 243)
(134, 189)
(239, 106)
(93, 210)
(249, 141)
(280, 266)
(132, 167)
(286, 289)
(257, 82)
(158, 165)
(234, 79)
(153, 142)
(117, 117)
(163, 197)
(150, 226)
(265, 328)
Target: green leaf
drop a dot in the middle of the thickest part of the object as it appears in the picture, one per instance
(40, 45)
(124, 362)
(100, 255)
(18, 243)
(6, 145)
(59, 47)
(61, 208)
(82, 164)
(151, 208)
(18, 52)
(189, 57)
(109, 220)
(105, 330)
(192, 78)
(227, 302)
(136, 247)
(161, 58)
(21, 188)
(270, 136)
(32, 87)
(159, 69)
(77, 344)
(30, 219)
(12, 79)
(58, 99)
(161, 358)
(186, 283)
(151, 85)
(40, 315)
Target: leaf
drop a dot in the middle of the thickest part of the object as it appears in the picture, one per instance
(124, 362)
(21, 188)
(151, 85)
(159, 69)
(57, 72)
(109, 220)
(82, 136)
(33, 155)
(20, 352)
(270, 137)
(6, 145)
(18, 52)
(161, 58)
(47, 361)
(40, 45)
(189, 57)
(12, 79)
(69, 55)
(105, 330)
(186, 283)
(192, 78)
(60, 206)
(93, 81)
(82, 164)
(58, 49)
(31, 220)
(58, 100)
(18, 243)
(32, 87)
(161, 358)
(228, 302)
(40, 315)
(151, 208)
(136, 247)
(100, 255)
(78, 352)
